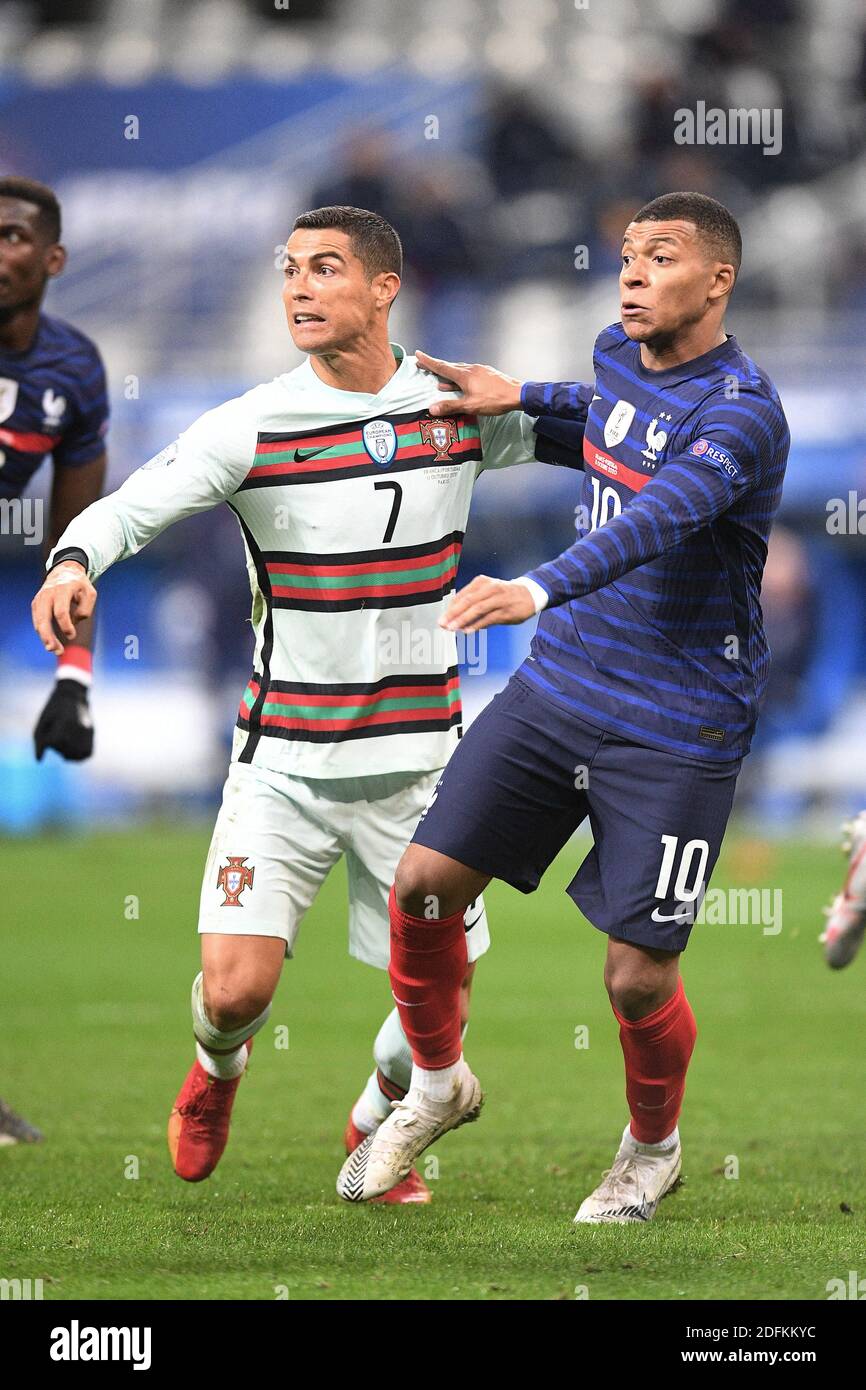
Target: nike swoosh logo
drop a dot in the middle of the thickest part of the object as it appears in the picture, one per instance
(477, 918)
(309, 454)
(681, 916)
(595, 398)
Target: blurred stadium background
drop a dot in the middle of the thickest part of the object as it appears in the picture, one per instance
(509, 143)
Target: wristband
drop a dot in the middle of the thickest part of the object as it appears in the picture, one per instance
(75, 663)
(69, 552)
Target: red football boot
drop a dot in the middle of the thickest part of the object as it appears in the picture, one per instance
(198, 1127)
(411, 1189)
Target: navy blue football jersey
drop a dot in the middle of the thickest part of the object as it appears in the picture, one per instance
(653, 628)
(53, 400)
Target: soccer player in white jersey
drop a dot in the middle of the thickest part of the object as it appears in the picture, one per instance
(352, 502)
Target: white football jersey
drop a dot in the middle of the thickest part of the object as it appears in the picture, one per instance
(352, 509)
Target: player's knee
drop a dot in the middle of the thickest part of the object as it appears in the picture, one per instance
(632, 993)
(418, 886)
(231, 1005)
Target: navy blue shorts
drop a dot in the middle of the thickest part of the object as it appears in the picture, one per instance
(528, 772)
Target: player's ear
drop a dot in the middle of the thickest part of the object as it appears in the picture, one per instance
(723, 283)
(386, 288)
(55, 259)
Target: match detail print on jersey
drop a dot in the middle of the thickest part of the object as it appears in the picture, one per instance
(342, 450)
(330, 713)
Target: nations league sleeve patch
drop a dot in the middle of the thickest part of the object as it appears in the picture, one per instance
(709, 452)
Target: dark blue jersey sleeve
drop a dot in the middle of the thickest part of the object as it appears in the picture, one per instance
(732, 443)
(84, 437)
(559, 441)
(561, 411)
(570, 400)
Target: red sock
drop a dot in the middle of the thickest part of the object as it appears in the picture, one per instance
(657, 1050)
(428, 965)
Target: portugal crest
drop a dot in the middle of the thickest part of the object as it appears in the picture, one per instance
(440, 435)
(233, 878)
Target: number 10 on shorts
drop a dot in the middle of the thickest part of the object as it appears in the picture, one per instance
(688, 887)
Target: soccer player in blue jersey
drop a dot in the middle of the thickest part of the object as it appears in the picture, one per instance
(52, 401)
(635, 707)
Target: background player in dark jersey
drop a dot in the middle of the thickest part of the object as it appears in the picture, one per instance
(635, 706)
(52, 401)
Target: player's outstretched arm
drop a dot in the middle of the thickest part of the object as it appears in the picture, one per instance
(199, 470)
(66, 597)
(686, 495)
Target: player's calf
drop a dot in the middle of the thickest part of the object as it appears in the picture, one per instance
(429, 953)
(386, 1087)
(198, 1127)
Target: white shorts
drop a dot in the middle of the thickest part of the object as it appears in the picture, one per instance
(276, 838)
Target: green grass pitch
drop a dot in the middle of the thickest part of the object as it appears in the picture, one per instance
(97, 1040)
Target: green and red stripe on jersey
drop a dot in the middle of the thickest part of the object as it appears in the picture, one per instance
(340, 452)
(312, 713)
(393, 577)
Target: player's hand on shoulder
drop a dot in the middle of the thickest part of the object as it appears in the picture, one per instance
(66, 596)
(483, 390)
(486, 601)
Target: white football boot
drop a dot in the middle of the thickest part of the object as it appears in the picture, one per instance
(632, 1189)
(416, 1122)
(846, 919)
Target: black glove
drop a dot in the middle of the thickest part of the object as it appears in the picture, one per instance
(65, 723)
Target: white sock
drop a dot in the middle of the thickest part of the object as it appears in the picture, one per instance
(371, 1107)
(663, 1146)
(393, 1057)
(225, 1067)
(437, 1085)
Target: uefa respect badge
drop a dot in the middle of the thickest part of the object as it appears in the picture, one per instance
(711, 452)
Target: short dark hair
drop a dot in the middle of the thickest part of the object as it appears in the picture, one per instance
(43, 197)
(374, 240)
(715, 223)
